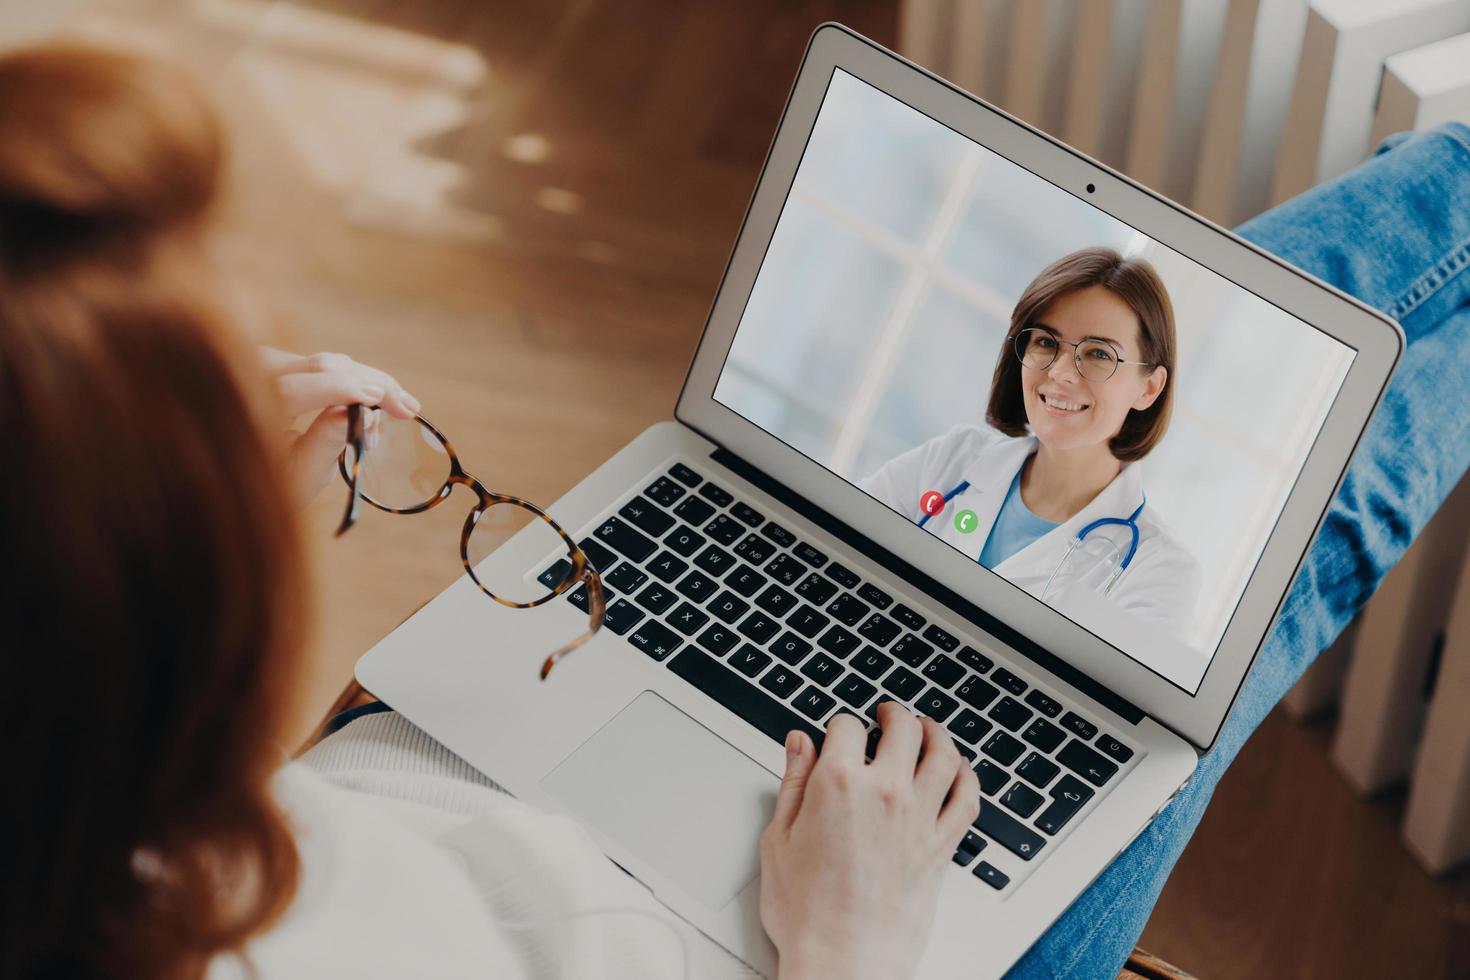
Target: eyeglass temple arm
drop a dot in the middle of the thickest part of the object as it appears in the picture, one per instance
(596, 612)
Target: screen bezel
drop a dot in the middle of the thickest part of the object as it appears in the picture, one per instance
(1376, 338)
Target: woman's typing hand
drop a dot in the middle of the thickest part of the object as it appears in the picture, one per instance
(325, 384)
(852, 858)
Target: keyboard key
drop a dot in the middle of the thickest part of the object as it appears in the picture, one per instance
(625, 578)
(943, 671)
(822, 669)
(747, 514)
(578, 598)
(875, 596)
(977, 693)
(745, 580)
(854, 690)
(724, 529)
(936, 704)
(1009, 832)
(781, 681)
(685, 475)
(719, 639)
(973, 658)
(755, 550)
(664, 491)
(814, 703)
(941, 639)
(601, 558)
(1022, 799)
(973, 843)
(807, 621)
(785, 569)
(694, 511)
(655, 639)
(911, 650)
(1010, 714)
(908, 617)
(625, 540)
(758, 627)
(697, 587)
(879, 630)
(791, 648)
(1044, 703)
(970, 726)
(684, 540)
(904, 683)
(991, 875)
(1002, 748)
(992, 777)
(656, 598)
(815, 589)
(1067, 797)
(622, 616)
(810, 555)
(756, 707)
(778, 534)
(1086, 763)
(1009, 681)
(715, 560)
(965, 750)
(667, 566)
(748, 660)
(871, 664)
(1044, 735)
(839, 642)
(558, 572)
(1037, 770)
(1114, 748)
(715, 495)
(1079, 726)
(848, 608)
(843, 576)
(687, 619)
(963, 857)
(728, 607)
(646, 516)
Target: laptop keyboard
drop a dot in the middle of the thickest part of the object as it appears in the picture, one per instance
(784, 636)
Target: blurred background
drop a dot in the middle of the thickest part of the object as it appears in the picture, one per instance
(523, 210)
(885, 297)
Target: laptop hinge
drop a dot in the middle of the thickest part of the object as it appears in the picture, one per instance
(930, 587)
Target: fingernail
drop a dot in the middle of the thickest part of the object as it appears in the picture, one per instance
(793, 739)
(411, 402)
(372, 392)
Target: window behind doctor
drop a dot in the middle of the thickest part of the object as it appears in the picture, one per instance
(152, 588)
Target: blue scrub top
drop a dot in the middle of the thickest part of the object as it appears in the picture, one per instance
(1015, 527)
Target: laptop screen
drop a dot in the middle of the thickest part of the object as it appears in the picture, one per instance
(1097, 419)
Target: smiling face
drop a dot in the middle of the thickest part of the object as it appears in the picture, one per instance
(1065, 410)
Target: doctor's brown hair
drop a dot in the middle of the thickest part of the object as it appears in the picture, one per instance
(1135, 282)
(152, 591)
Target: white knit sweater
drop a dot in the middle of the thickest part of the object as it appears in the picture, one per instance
(415, 865)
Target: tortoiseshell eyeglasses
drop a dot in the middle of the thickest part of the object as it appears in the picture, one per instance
(406, 466)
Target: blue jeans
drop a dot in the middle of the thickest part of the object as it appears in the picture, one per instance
(1395, 233)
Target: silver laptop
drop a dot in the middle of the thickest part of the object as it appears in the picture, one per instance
(809, 534)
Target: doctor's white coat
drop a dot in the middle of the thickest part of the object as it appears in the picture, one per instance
(1161, 585)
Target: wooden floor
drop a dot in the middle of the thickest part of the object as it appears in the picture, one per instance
(522, 209)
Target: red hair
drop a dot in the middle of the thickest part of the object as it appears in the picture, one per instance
(152, 591)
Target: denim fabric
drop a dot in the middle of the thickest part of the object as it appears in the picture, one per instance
(1394, 232)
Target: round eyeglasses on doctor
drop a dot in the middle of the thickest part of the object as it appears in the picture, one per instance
(1097, 360)
(408, 466)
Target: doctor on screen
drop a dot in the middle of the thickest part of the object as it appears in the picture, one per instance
(1048, 494)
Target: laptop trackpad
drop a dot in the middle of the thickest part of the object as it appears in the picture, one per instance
(675, 794)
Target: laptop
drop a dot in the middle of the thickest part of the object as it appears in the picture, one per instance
(763, 574)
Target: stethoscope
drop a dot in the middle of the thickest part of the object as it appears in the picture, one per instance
(1130, 522)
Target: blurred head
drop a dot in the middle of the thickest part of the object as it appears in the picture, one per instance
(1093, 294)
(152, 588)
